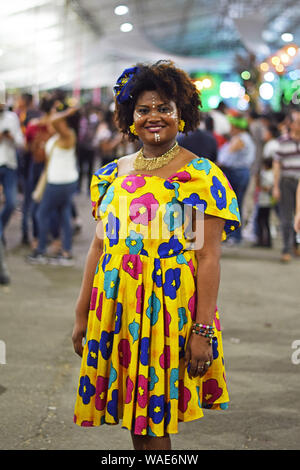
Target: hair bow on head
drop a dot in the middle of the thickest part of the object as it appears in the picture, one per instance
(124, 84)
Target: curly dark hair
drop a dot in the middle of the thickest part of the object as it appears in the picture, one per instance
(171, 83)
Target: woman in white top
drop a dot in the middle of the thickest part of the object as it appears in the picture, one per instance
(62, 181)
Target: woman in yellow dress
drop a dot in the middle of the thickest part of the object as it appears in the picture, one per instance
(153, 351)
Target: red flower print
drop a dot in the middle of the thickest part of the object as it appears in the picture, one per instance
(124, 352)
(87, 424)
(99, 308)
(142, 391)
(129, 389)
(132, 265)
(184, 397)
(192, 306)
(101, 392)
(139, 298)
(182, 176)
(211, 391)
(140, 426)
(133, 182)
(167, 321)
(93, 298)
(143, 209)
(164, 359)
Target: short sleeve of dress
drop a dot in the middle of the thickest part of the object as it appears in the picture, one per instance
(101, 180)
(204, 186)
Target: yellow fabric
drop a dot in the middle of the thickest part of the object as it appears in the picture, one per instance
(144, 301)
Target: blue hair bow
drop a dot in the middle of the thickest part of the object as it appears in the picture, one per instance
(124, 84)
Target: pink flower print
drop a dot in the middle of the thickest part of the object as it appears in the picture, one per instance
(142, 391)
(164, 360)
(140, 426)
(129, 389)
(167, 321)
(192, 306)
(99, 308)
(211, 391)
(132, 265)
(132, 182)
(217, 324)
(143, 209)
(192, 267)
(139, 298)
(124, 352)
(93, 298)
(101, 392)
(182, 176)
(184, 397)
(87, 424)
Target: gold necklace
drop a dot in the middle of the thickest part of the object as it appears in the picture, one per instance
(143, 163)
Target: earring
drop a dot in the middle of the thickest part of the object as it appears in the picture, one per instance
(132, 129)
(181, 125)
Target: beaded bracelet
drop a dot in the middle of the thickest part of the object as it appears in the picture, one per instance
(207, 331)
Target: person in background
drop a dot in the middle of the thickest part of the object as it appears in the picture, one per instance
(264, 204)
(62, 180)
(38, 132)
(209, 126)
(85, 147)
(201, 142)
(235, 158)
(11, 139)
(286, 167)
(297, 214)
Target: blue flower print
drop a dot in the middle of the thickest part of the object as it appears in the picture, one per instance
(168, 185)
(180, 259)
(201, 164)
(111, 283)
(134, 330)
(118, 320)
(230, 226)
(172, 282)
(112, 229)
(181, 346)
(157, 408)
(168, 414)
(153, 378)
(112, 376)
(134, 242)
(218, 193)
(182, 318)
(92, 358)
(174, 378)
(106, 344)
(157, 273)
(86, 389)
(173, 217)
(144, 354)
(107, 199)
(112, 405)
(105, 261)
(170, 248)
(106, 169)
(153, 308)
(215, 347)
(234, 208)
(194, 200)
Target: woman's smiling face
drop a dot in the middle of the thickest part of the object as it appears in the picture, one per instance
(155, 118)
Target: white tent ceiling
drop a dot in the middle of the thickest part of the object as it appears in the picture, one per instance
(78, 43)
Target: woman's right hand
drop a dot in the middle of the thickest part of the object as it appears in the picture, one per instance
(79, 332)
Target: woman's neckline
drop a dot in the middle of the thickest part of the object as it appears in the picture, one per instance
(155, 176)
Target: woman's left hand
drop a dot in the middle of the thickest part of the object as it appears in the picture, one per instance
(198, 355)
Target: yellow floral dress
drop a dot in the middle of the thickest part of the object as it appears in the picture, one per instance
(143, 301)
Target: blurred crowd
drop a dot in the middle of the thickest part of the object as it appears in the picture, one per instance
(49, 151)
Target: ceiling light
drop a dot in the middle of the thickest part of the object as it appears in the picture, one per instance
(245, 75)
(275, 60)
(207, 83)
(264, 66)
(279, 68)
(121, 10)
(126, 27)
(266, 91)
(285, 58)
(287, 37)
(291, 51)
(198, 85)
(269, 76)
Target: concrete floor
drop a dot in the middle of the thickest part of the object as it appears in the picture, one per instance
(259, 304)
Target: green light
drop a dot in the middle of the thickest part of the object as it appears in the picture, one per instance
(245, 75)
